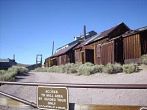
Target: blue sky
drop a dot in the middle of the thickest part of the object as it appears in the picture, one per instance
(28, 27)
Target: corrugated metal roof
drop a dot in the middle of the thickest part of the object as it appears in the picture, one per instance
(80, 38)
(63, 51)
(71, 45)
(86, 41)
(4, 60)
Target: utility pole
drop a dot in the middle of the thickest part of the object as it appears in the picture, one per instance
(53, 48)
(84, 31)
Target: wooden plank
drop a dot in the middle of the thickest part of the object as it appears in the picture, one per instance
(126, 47)
(129, 45)
(107, 53)
(94, 53)
(134, 49)
(131, 49)
(139, 45)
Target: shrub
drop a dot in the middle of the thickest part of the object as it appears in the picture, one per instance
(130, 68)
(18, 69)
(108, 68)
(2, 72)
(88, 64)
(144, 59)
(89, 68)
(71, 68)
(112, 68)
(11, 73)
(59, 69)
(84, 70)
(39, 69)
(117, 68)
(52, 69)
(97, 68)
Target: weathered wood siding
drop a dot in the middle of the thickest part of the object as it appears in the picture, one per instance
(98, 54)
(53, 61)
(78, 56)
(62, 59)
(132, 48)
(107, 53)
(143, 42)
(85, 54)
(104, 53)
(47, 62)
(66, 58)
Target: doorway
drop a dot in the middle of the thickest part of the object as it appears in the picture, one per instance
(89, 55)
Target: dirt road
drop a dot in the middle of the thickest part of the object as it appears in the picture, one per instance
(85, 95)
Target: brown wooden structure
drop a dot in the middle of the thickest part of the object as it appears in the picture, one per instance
(7, 63)
(118, 44)
(61, 57)
(100, 49)
(66, 53)
(134, 45)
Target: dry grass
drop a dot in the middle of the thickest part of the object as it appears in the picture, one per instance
(8, 75)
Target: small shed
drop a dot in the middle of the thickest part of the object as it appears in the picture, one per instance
(6, 63)
(62, 56)
(134, 44)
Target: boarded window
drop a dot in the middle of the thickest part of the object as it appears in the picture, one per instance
(98, 50)
(60, 61)
(63, 59)
(77, 56)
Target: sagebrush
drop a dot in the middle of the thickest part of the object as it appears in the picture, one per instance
(85, 69)
(7, 75)
(144, 59)
(130, 68)
(112, 68)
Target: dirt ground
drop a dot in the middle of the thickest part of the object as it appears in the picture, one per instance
(86, 95)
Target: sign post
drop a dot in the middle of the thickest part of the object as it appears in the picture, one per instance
(52, 98)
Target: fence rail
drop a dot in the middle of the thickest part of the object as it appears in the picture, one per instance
(77, 85)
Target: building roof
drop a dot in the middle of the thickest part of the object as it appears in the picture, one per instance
(131, 32)
(109, 31)
(4, 60)
(71, 45)
(63, 51)
(100, 35)
(79, 39)
(86, 41)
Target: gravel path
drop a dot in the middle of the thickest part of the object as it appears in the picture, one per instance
(85, 95)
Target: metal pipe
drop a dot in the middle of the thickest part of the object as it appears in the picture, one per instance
(75, 85)
(19, 99)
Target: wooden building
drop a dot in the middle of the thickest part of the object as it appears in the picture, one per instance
(101, 49)
(117, 44)
(66, 53)
(6, 63)
(61, 57)
(134, 45)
